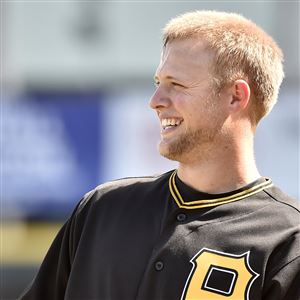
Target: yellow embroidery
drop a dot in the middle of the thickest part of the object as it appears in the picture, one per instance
(204, 283)
(217, 201)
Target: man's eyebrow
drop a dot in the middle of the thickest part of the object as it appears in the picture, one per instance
(169, 77)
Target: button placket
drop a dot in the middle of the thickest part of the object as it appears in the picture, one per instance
(159, 265)
(181, 217)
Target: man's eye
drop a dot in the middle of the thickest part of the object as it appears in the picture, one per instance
(156, 83)
(177, 84)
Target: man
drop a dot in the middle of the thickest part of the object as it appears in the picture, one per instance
(213, 228)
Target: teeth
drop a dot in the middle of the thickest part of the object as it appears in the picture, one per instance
(170, 122)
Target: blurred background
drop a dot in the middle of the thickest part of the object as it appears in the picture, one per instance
(76, 78)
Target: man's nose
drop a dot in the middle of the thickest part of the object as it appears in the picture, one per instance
(159, 99)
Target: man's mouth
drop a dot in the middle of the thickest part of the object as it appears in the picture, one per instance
(168, 123)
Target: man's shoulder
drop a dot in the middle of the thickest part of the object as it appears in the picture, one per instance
(126, 186)
(130, 183)
(282, 209)
(283, 200)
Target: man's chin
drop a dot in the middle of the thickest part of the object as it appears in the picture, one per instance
(169, 151)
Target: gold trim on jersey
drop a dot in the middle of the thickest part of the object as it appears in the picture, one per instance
(202, 203)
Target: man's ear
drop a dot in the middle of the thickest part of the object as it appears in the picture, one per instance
(240, 92)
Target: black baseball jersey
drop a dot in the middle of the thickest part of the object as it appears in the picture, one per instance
(155, 238)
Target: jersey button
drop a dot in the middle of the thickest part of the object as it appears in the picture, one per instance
(159, 265)
(181, 217)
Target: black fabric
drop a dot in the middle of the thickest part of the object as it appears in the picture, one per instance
(110, 247)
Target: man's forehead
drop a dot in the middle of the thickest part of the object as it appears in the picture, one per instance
(191, 44)
(179, 54)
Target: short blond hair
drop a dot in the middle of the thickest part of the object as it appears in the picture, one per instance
(242, 51)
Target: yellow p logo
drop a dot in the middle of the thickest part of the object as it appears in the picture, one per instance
(217, 274)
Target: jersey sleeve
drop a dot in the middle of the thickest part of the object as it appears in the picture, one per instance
(285, 283)
(51, 280)
(283, 276)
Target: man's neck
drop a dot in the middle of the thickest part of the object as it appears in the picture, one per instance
(221, 173)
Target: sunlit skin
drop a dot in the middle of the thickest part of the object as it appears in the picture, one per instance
(213, 139)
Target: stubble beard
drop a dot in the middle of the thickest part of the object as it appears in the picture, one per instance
(195, 144)
(189, 145)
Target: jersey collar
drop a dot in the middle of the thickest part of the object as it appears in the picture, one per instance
(184, 195)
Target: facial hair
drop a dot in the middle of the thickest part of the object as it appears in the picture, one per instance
(198, 141)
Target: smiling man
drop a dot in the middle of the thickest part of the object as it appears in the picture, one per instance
(212, 229)
(207, 129)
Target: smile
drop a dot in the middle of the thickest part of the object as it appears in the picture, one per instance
(168, 123)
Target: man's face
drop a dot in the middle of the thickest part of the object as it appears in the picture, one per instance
(190, 113)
